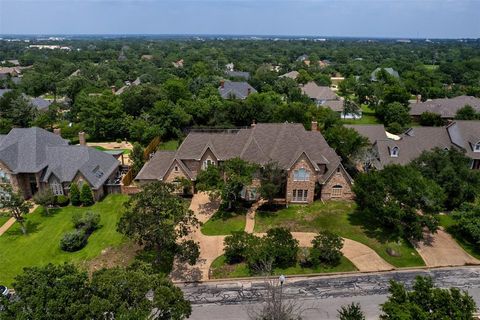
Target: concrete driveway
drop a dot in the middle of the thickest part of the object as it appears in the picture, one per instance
(441, 250)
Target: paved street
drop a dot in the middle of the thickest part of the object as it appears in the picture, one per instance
(321, 296)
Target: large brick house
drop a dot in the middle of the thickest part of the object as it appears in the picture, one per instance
(32, 159)
(313, 169)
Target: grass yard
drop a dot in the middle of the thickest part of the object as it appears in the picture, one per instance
(3, 219)
(447, 222)
(368, 117)
(220, 269)
(224, 223)
(42, 243)
(125, 151)
(169, 145)
(339, 217)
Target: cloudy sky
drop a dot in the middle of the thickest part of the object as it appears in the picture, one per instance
(368, 18)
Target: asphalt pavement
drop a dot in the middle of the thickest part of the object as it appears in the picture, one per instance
(319, 296)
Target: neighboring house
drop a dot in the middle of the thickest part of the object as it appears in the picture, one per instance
(178, 64)
(446, 108)
(390, 71)
(238, 74)
(313, 169)
(40, 104)
(326, 97)
(32, 159)
(303, 58)
(402, 149)
(127, 85)
(230, 66)
(7, 72)
(146, 57)
(292, 75)
(235, 90)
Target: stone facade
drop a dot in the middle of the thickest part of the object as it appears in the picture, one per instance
(338, 186)
(293, 187)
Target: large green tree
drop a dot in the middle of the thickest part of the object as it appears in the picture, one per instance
(64, 292)
(15, 205)
(450, 169)
(425, 301)
(400, 200)
(160, 221)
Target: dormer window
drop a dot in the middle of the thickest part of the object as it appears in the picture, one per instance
(476, 148)
(394, 152)
(301, 175)
(175, 168)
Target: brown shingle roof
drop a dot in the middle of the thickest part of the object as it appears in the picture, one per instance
(465, 134)
(314, 91)
(283, 143)
(372, 132)
(446, 108)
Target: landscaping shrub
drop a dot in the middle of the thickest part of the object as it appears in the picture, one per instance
(75, 195)
(62, 200)
(326, 248)
(282, 246)
(73, 240)
(45, 198)
(86, 195)
(237, 246)
(88, 221)
(468, 222)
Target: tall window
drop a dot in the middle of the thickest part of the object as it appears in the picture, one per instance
(477, 147)
(337, 191)
(301, 175)
(57, 188)
(300, 195)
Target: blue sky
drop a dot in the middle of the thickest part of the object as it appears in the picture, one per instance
(369, 18)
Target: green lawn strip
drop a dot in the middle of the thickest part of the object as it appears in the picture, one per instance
(338, 217)
(220, 269)
(42, 244)
(368, 117)
(224, 223)
(170, 145)
(125, 151)
(3, 219)
(447, 222)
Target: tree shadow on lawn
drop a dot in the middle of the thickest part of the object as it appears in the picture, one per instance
(370, 227)
(32, 227)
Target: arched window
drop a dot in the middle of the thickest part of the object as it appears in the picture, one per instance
(394, 152)
(477, 147)
(301, 175)
(337, 191)
(4, 177)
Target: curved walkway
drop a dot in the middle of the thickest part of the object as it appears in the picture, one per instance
(211, 247)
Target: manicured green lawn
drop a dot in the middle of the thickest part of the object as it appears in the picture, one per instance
(339, 217)
(447, 222)
(222, 223)
(368, 117)
(42, 243)
(125, 151)
(3, 219)
(220, 269)
(169, 145)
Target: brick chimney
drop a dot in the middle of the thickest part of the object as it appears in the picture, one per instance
(314, 126)
(249, 90)
(114, 89)
(81, 138)
(253, 123)
(57, 131)
(419, 98)
(222, 84)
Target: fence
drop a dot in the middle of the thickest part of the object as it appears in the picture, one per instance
(152, 146)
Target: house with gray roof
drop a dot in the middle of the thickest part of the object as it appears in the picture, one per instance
(235, 90)
(292, 75)
(447, 107)
(312, 167)
(402, 149)
(390, 71)
(32, 159)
